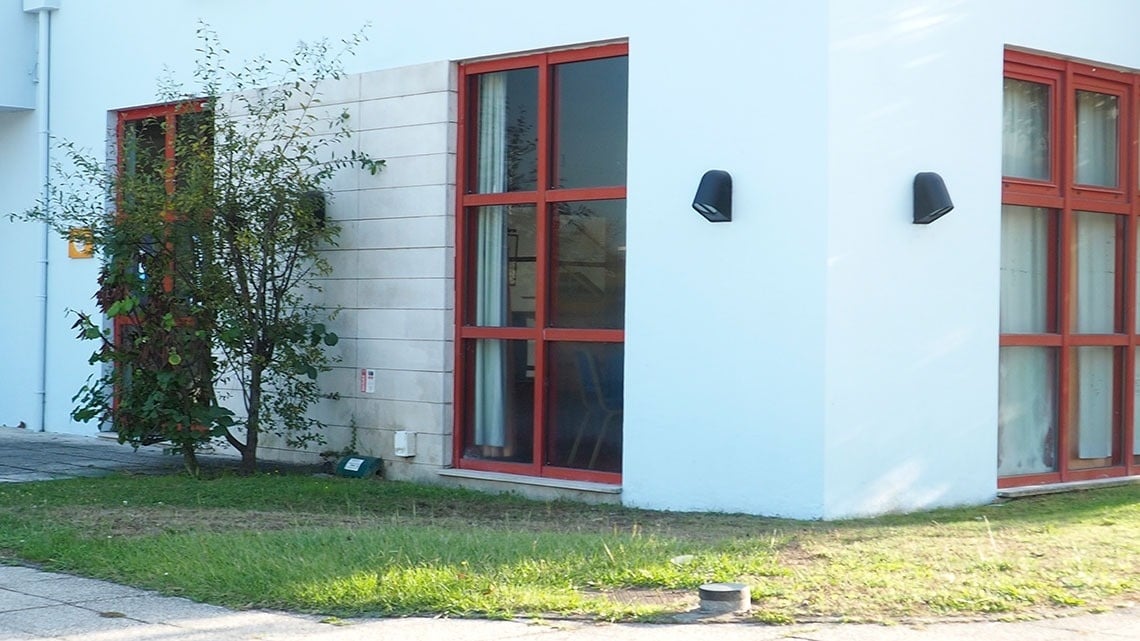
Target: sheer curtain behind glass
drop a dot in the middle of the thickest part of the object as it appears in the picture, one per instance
(1024, 269)
(490, 267)
(1027, 411)
(1025, 133)
(1027, 400)
(1096, 139)
(1027, 389)
(1096, 314)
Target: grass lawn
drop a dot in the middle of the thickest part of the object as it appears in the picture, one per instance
(350, 547)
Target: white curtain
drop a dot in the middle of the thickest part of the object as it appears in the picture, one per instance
(1094, 402)
(1027, 411)
(1096, 312)
(1096, 139)
(1024, 272)
(491, 265)
(1136, 414)
(1096, 273)
(1025, 130)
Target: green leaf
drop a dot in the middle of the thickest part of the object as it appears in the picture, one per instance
(174, 358)
(331, 339)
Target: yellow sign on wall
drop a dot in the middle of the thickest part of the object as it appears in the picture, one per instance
(79, 243)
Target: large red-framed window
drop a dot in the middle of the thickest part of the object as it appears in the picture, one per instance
(151, 145)
(540, 255)
(1069, 328)
(149, 141)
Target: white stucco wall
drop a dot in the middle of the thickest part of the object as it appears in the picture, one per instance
(703, 299)
(819, 356)
(17, 56)
(724, 352)
(913, 310)
(19, 243)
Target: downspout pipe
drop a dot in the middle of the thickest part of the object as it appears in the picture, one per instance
(43, 8)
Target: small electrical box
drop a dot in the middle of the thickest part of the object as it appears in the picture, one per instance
(359, 467)
(405, 443)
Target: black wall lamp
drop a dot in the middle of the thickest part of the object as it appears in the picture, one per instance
(931, 200)
(314, 202)
(714, 196)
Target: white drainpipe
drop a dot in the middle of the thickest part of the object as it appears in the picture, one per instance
(43, 112)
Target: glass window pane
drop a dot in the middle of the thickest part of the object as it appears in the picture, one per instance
(1136, 411)
(500, 394)
(1027, 410)
(589, 265)
(1136, 283)
(1024, 270)
(1096, 139)
(144, 148)
(590, 123)
(586, 406)
(1025, 132)
(1095, 264)
(1093, 413)
(503, 251)
(505, 130)
(193, 150)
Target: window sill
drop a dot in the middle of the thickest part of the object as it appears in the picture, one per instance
(514, 479)
(1057, 488)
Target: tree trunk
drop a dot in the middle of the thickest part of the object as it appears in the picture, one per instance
(253, 421)
(190, 459)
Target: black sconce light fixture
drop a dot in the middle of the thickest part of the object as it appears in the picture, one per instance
(714, 196)
(314, 202)
(931, 200)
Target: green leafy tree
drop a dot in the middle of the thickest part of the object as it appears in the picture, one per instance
(211, 257)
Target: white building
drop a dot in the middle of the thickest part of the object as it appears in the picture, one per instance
(819, 356)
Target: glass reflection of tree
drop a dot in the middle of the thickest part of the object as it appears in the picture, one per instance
(590, 264)
(522, 173)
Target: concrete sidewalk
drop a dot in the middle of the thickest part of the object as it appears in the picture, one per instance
(36, 605)
(40, 456)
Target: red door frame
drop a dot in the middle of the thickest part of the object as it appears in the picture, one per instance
(1062, 196)
(542, 199)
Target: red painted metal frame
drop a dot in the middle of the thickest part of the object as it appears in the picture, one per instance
(168, 113)
(1064, 197)
(542, 197)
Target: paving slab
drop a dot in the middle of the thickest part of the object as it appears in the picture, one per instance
(61, 620)
(186, 614)
(37, 456)
(13, 601)
(1118, 624)
(73, 590)
(16, 576)
(988, 631)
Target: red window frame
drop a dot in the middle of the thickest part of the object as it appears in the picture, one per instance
(168, 113)
(1063, 196)
(542, 197)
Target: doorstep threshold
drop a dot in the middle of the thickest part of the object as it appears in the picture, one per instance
(538, 481)
(1068, 486)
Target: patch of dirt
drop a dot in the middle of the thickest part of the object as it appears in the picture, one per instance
(144, 521)
(675, 600)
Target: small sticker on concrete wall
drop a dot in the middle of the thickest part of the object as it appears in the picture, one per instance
(368, 381)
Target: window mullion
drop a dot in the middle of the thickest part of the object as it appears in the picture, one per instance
(542, 266)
